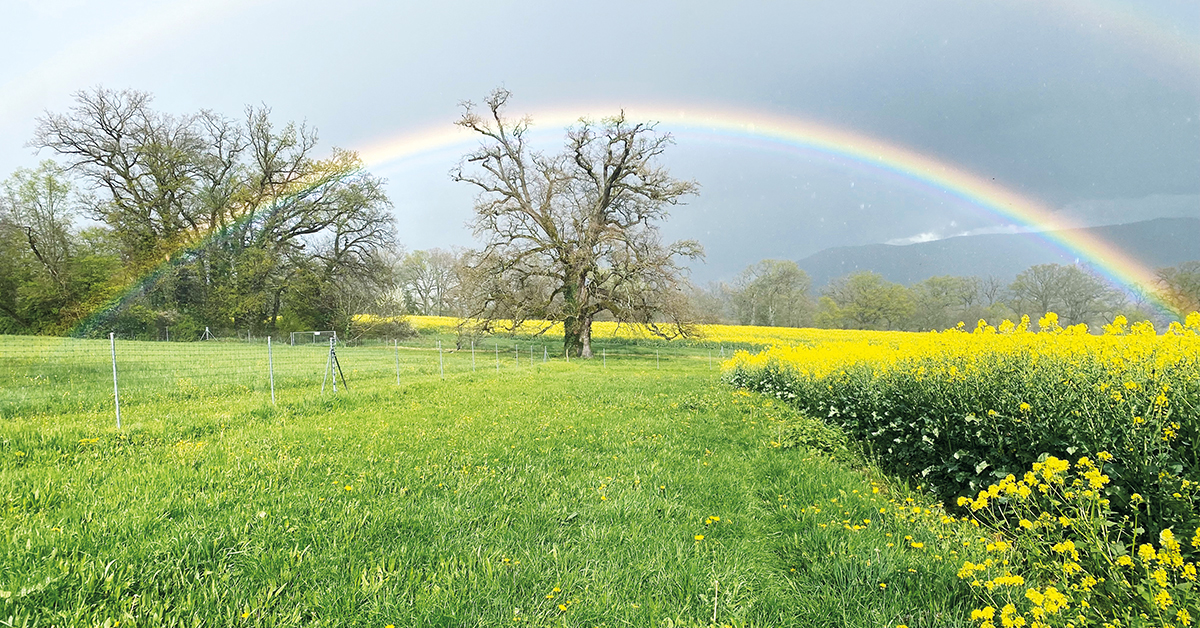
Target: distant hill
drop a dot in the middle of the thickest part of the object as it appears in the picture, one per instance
(1159, 242)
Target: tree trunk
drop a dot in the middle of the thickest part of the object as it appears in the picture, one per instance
(585, 337)
(571, 328)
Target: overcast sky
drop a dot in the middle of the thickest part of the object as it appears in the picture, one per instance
(1087, 106)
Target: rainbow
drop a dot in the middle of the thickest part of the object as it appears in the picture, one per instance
(832, 143)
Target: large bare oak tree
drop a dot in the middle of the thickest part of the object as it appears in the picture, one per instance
(573, 235)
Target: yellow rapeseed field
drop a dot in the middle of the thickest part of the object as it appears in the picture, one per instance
(990, 418)
(731, 334)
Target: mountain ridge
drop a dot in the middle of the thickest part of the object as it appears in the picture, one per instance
(1156, 243)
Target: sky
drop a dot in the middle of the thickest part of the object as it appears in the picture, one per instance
(1090, 108)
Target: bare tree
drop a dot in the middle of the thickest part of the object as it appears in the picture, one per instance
(1077, 295)
(1036, 290)
(572, 235)
(1182, 285)
(429, 280)
(992, 289)
(772, 293)
(1084, 296)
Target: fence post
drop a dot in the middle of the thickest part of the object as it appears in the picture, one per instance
(271, 369)
(112, 341)
(545, 355)
(441, 364)
(331, 363)
(396, 347)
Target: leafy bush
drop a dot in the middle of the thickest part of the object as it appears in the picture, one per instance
(814, 435)
(960, 411)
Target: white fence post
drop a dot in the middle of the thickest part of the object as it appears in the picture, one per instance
(112, 341)
(271, 369)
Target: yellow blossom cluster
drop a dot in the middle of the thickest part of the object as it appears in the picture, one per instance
(1078, 571)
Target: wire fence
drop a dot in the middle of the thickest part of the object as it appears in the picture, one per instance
(48, 375)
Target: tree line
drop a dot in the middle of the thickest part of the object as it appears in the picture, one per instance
(780, 293)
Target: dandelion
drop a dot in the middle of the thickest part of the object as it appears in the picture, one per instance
(699, 537)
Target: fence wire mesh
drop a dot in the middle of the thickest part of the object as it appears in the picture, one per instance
(47, 375)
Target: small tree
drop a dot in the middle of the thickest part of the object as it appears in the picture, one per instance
(573, 235)
(1182, 286)
(865, 300)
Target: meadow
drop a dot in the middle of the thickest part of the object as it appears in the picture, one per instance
(635, 489)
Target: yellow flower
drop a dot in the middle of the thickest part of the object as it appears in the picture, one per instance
(699, 537)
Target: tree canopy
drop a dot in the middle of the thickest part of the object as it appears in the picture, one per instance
(210, 221)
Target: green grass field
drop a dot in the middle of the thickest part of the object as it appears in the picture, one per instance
(641, 492)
